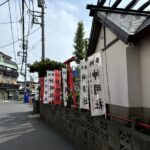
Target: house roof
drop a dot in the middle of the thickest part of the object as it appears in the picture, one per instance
(127, 24)
(5, 55)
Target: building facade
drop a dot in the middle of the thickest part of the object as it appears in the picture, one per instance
(8, 78)
(122, 38)
(31, 86)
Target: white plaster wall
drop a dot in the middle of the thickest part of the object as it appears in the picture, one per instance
(115, 69)
(117, 73)
(145, 72)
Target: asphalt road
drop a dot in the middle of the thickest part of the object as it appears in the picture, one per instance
(21, 130)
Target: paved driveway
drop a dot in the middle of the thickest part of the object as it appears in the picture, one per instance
(20, 130)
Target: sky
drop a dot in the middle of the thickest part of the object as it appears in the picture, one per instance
(61, 18)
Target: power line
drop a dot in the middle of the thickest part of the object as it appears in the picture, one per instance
(4, 3)
(12, 29)
(19, 39)
(19, 7)
(16, 19)
(9, 22)
(28, 7)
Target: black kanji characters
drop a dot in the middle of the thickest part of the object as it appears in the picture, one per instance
(92, 63)
(85, 101)
(95, 74)
(97, 88)
(83, 77)
(97, 60)
(99, 104)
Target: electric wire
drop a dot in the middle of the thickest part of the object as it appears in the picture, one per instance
(28, 7)
(16, 20)
(12, 29)
(3, 23)
(19, 39)
(20, 7)
(4, 3)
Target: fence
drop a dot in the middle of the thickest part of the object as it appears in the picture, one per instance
(93, 133)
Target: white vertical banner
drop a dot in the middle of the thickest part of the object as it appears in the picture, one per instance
(45, 90)
(64, 81)
(50, 92)
(97, 101)
(84, 93)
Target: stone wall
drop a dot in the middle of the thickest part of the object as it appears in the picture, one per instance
(93, 133)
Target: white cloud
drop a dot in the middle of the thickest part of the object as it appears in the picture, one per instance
(61, 20)
(60, 29)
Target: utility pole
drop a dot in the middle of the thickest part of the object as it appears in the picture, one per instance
(25, 78)
(41, 4)
(24, 45)
(43, 32)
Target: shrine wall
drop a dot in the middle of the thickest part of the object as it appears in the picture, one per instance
(115, 69)
(94, 133)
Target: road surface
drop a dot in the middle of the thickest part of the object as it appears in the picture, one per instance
(21, 130)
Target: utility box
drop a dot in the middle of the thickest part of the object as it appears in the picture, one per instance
(40, 3)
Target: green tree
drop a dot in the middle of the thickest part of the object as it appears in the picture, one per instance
(79, 43)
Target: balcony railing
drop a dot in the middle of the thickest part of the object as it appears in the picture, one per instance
(9, 72)
(8, 86)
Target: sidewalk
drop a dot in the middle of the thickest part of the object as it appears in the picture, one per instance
(20, 130)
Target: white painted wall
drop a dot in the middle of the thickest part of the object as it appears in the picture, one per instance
(126, 72)
(145, 71)
(115, 69)
(117, 73)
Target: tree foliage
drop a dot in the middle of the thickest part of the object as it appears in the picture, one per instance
(42, 66)
(79, 43)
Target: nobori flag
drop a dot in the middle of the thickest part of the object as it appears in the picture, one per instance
(45, 99)
(57, 87)
(64, 81)
(50, 92)
(97, 102)
(84, 90)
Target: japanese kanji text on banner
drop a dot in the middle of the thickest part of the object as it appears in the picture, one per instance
(50, 84)
(84, 93)
(64, 81)
(97, 102)
(45, 90)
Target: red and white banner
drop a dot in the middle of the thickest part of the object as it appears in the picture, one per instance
(50, 89)
(41, 80)
(64, 82)
(45, 98)
(84, 90)
(96, 89)
(57, 87)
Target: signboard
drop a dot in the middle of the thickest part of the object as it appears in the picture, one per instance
(84, 90)
(64, 81)
(97, 102)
